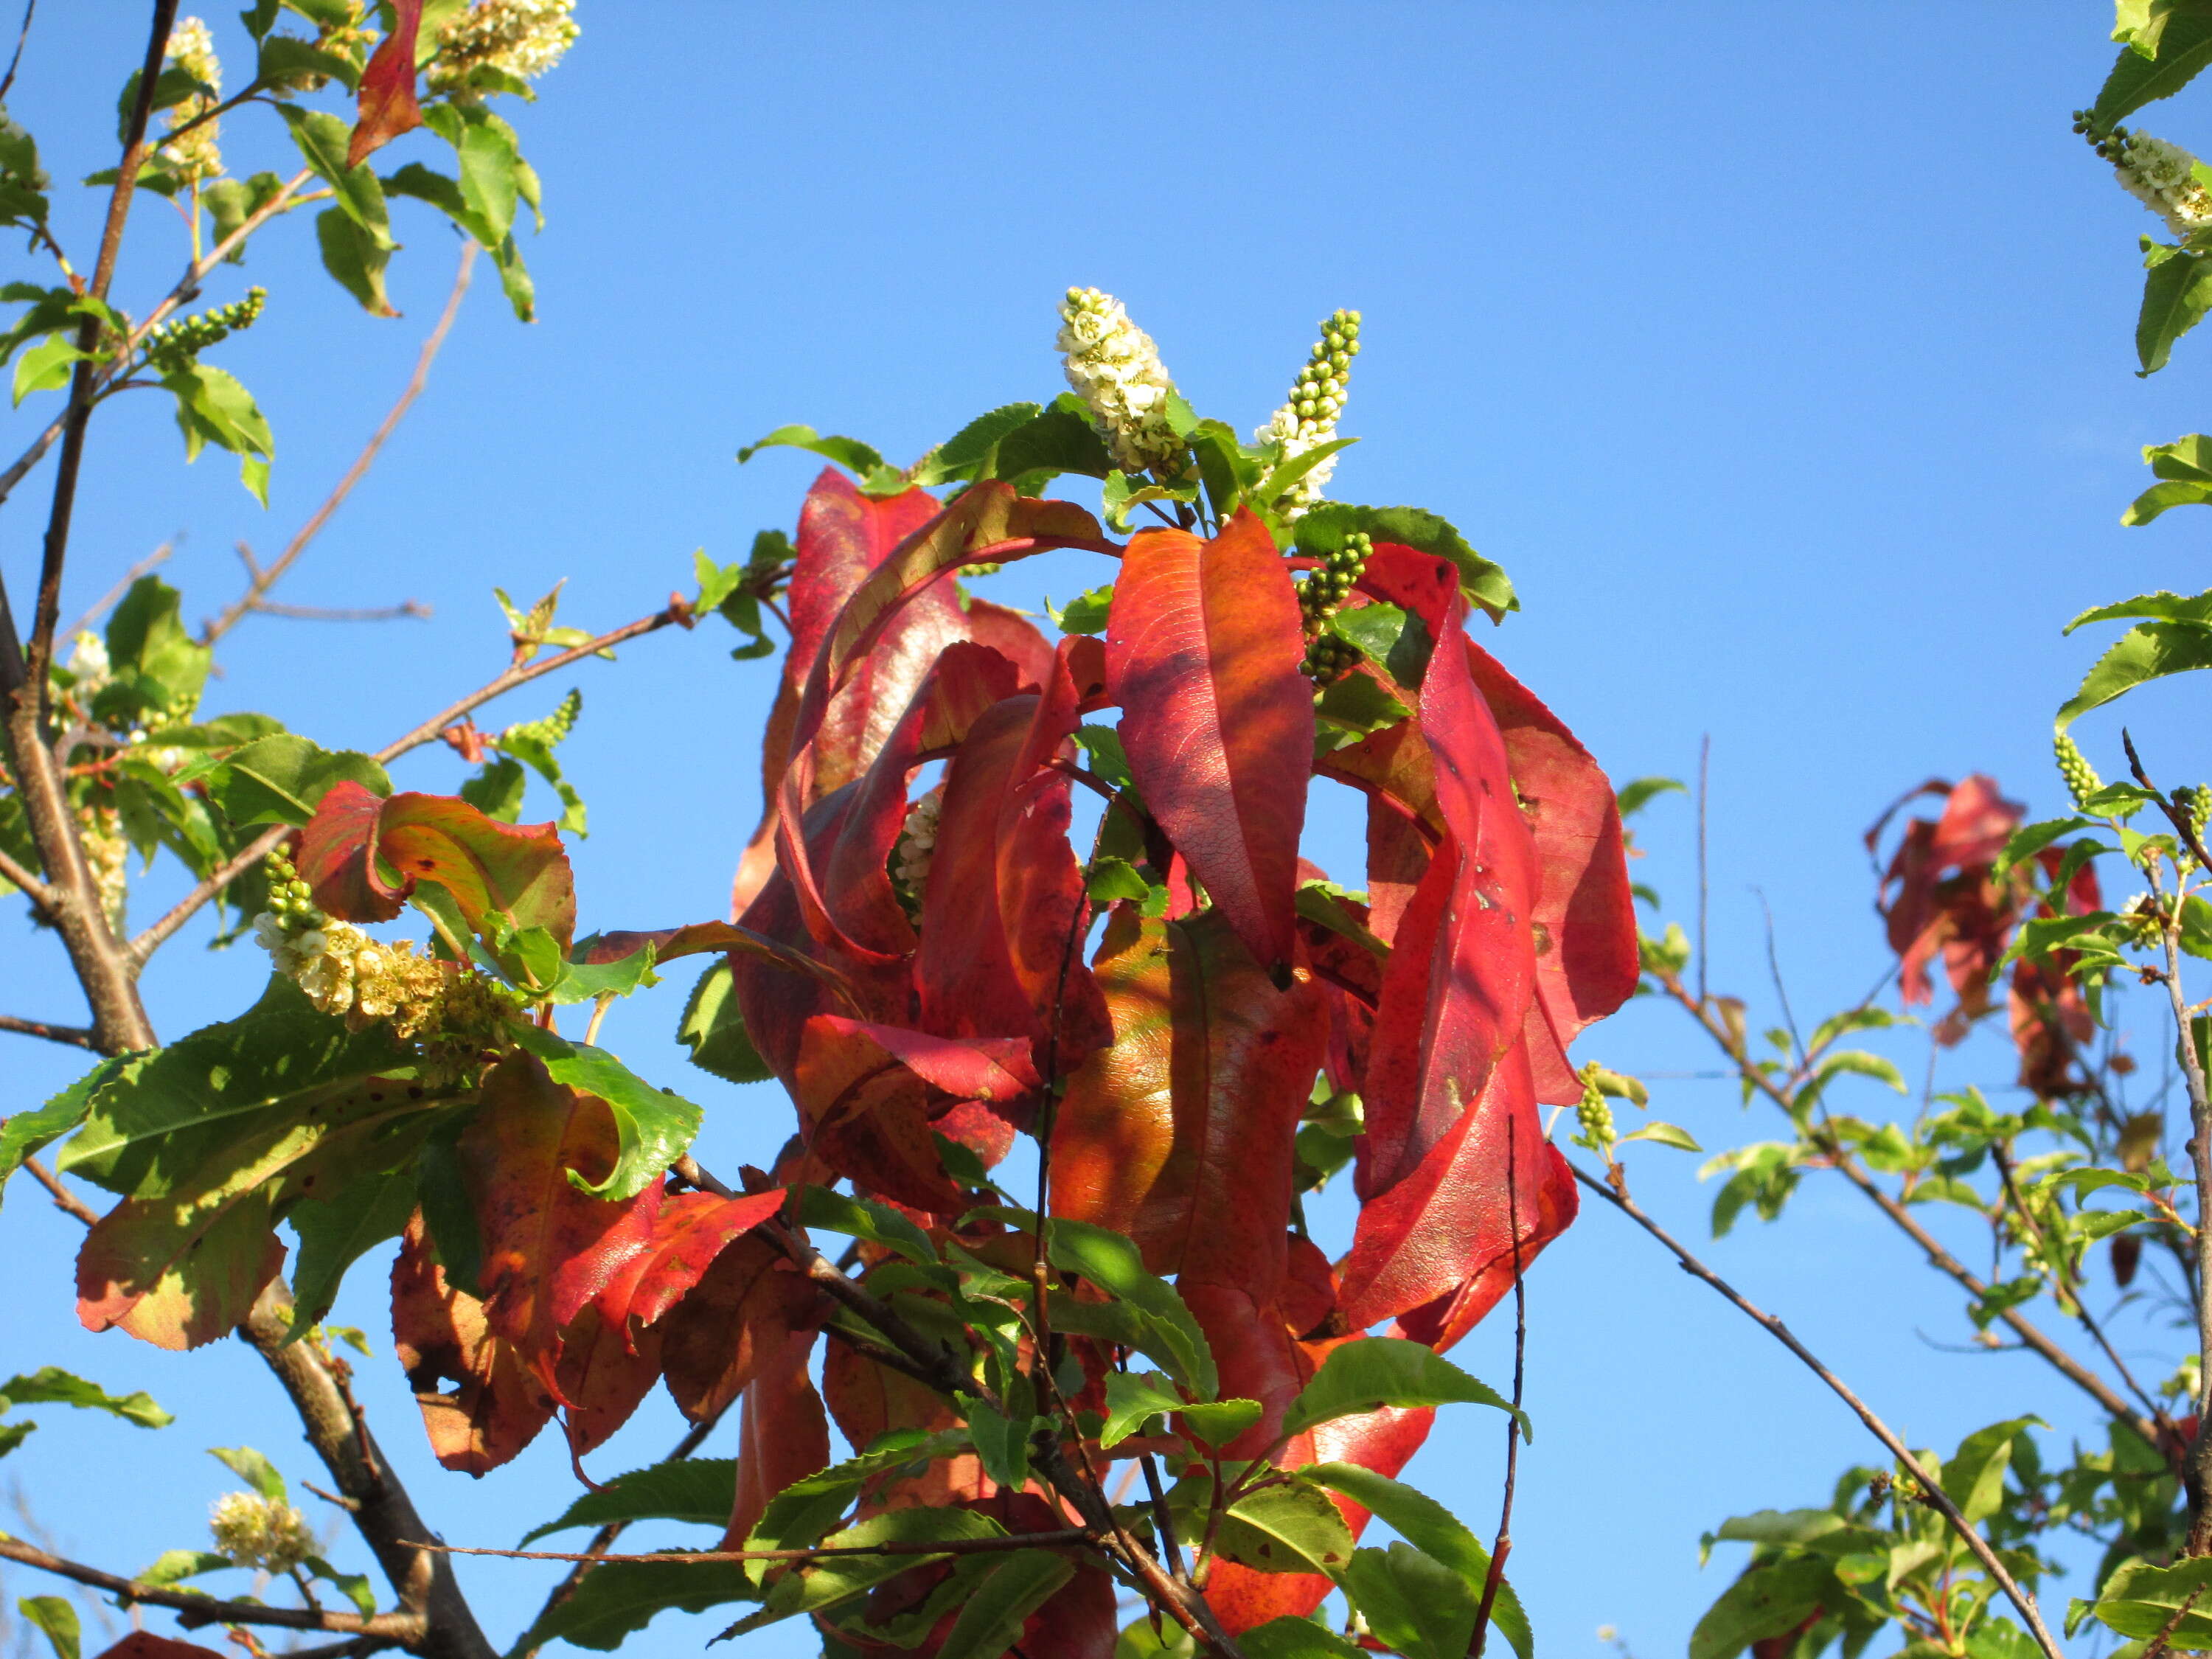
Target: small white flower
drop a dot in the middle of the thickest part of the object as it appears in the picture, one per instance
(520, 38)
(1115, 367)
(2162, 177)
(254, 1532)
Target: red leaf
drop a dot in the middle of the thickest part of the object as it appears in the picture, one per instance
(1180, 1132)
(993, 1070)
(548, 1247)
(715, 1339)
(1012, 967)
(1442, 1322)
(1585, 912)
(690, 1231)
(441, 1334)
(783, 1435)
(387, 106)
(604, 1375)
(176, 1285)
(144, 1644)
(867, 1114)
(1450, 1218)
(1203, 644)
(518, 871)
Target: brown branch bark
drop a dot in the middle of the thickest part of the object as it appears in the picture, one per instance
(398, 1628)
(1932, 1491)
(909, 1546)
(267, 576)
(76, 1036)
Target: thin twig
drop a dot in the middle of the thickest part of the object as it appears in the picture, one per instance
(197, 1609)
(1932, 1493)
(404, 609)
(1705, 773)
(1504, 1544)
(34, 889)
(65, 1200)
(22, 39)
(77, 1036)
(895, 1547)
(267, 576)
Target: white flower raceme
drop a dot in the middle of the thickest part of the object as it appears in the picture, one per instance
(256, 1532)
(917, 841)
(1115, 369)
(2163, 178)
(195, 158)
(1316, 401)
(87, 660)
(520, 38)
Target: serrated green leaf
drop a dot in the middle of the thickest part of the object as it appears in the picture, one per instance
(1388, 1371)
(50, 1385)
(699, 1490)
(2148, 652)
(1665, 1135)
(1416, 1605)
(1132, 1398)
(654, 1125)
(251, 1467)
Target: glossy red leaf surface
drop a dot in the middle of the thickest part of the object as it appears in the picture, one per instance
(690, 1230)
(497, 1403)
(548, 1247)
(867, 1114)
(1202, 647)
(386, 105)
(715, 1339)
(603, 1378)
(1180, 1132)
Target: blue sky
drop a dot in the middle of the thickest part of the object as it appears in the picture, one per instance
(1781, 355)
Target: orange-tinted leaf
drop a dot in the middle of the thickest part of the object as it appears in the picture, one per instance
(866, 1114)
(742, 1307)
(604, 1373)
(690, 1231)
(1203, 644)
(195, 1287)
(548, 1247)
(387, 106)
(441, 1336)
(783, 1435)
(518, 871)
(1179, 1133)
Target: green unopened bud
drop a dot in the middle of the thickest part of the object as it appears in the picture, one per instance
(1595, 1114)
(2081, 778)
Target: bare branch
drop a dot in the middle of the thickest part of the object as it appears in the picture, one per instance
(1931, 1491)
(197, 1609)
(65, 1200)
(401, 612)
(267, 576)
(75, 1036)
(1022, 1540)
(1503, 1545)
(34, 889)
(22, 39)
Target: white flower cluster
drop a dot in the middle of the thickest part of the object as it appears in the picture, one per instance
(1316, 401)
(1115, 369)
(520, 38)
(87, 661)
(917, 841)
(2163, 178)
(194, 159)
(322, 958)
(255, 1532)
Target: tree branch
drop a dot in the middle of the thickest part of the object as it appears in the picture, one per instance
(77, 1036)
(267, 576)
(2030, 1335)
(1932, 1493)
(65, 1200)
(1021, 1540)
(401, 1629)
(37, 891)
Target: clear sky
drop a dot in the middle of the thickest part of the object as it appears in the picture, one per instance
(1782, 354)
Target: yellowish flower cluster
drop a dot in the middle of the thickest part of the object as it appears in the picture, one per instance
(1115, 369)
(255, 1532)
(917, 842)
(195, 158)
(520, 38)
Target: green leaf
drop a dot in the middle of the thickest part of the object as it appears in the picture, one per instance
(1388, 1371)
(1323, 530)
(13, 1435)
(1271, 489)
(354, 1586)
(2183, 46)
(618, 1598)
(1086, 613)
(47, 366)
(2160, 496)
(355, 260)
(1395, 640)
(1666, 1134)
(2141, 1599)
(281, 779)
(654, 1125)
(251, 1467)
(1220, 1421)
(488, 158)
(1060, 440)
(56, 1617)
(2177, 291)
(50, 1385)
(1291, 1637)
(967, 452)
(713, 1028)
(174, 1566)
(1973, 1476)
(2161, 606)
(322, 139)
(286, 60)
(699, 1490)
(336, 1231)
(1114, 1264)
(822, 1584)
(23, 1133)
(1292, 1528)
(798, 1517)
(1002, 1444)
(1639, 793)
(155, 664)
(992, 1617)
(1417, 1607)
(2147, 652)
(863, 461)
(1131, 1399)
